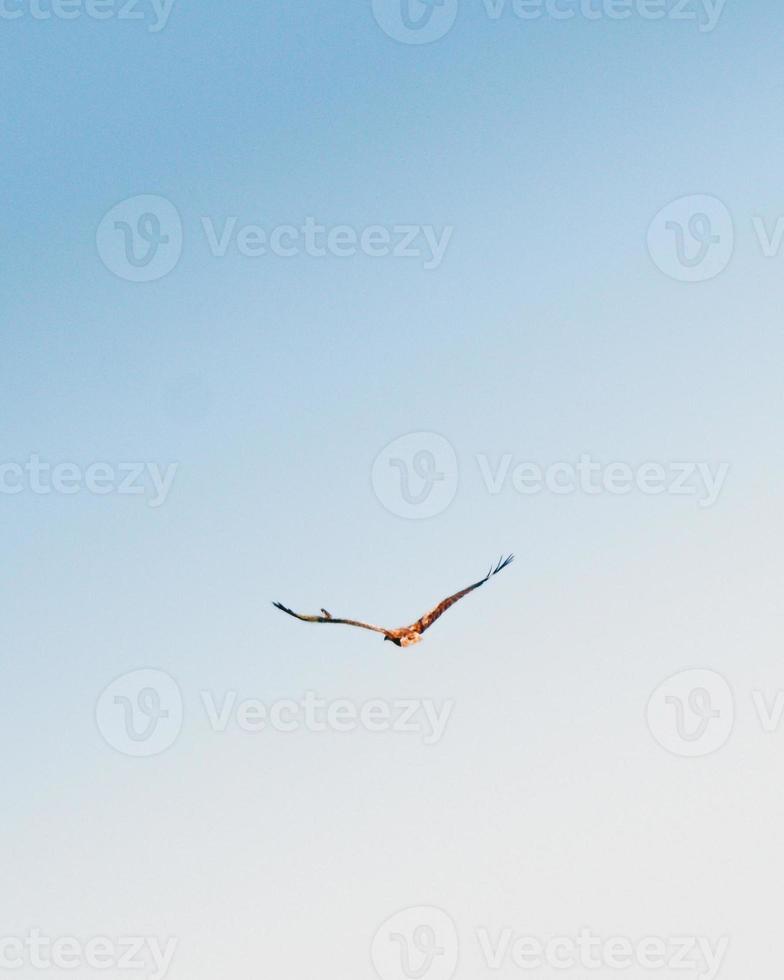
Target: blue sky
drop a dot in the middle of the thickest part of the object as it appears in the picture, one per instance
(543, 150)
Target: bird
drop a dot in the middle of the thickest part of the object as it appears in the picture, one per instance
(404, 636)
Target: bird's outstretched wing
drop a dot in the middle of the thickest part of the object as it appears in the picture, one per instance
(429, 618)
(328, 619)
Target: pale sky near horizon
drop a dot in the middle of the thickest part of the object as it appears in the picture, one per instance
(505, 293)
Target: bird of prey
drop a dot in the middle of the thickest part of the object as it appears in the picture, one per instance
(405, 636)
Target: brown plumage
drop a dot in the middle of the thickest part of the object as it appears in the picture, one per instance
(405, 636)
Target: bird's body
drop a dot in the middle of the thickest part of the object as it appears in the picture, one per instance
(404, 636)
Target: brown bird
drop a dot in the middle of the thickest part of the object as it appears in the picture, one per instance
(405, 636)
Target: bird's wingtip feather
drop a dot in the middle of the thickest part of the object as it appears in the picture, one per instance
(502, 563)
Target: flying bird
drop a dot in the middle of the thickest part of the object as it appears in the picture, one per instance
(405, 636)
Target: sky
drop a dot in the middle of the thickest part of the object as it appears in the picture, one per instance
(334, 304)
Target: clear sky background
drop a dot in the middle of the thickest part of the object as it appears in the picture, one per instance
(547, 332)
